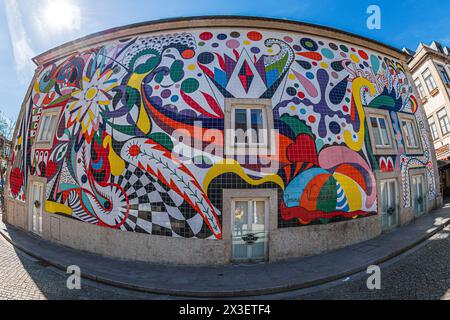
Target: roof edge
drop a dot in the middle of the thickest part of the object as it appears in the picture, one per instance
(41, 58)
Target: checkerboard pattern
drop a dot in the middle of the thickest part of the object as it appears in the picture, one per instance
(156, 209)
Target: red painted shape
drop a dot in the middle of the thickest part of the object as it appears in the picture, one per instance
(303, 150)
(306, 216)
(16, 181)
(311, 55)
(51, 169)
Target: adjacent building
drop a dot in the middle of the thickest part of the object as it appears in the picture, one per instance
(5, 151)
(216, 140)
(430, 67)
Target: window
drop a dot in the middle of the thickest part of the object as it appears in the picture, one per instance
(380, 131)
(48, 123)
(411, 134)
(443, 121)
(433, 128)
(249, 126)
(429, 80)
(381, 134)
(411, 137)
(444, 75)
(420, 88)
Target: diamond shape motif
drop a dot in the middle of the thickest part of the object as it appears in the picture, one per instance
(246, 76)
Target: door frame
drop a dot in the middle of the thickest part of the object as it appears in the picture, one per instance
(31, 181)
(395, 175)
(424, 190)
(266, 201)
(229, 195)
(417, 172)
(397, 204)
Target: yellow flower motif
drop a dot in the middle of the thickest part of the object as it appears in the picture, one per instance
(89, 101)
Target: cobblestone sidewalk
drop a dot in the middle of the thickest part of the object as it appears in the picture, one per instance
(421, 275)
(24, 278)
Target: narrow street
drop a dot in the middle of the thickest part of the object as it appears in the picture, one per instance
(422, 273)
(24, 278)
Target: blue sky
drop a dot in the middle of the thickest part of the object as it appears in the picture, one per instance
(28, 27)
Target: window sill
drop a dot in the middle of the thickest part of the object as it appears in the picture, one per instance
(414, 152)
(384, 151)
(42, 145)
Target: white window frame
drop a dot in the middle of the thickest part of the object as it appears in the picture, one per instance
(420, 88)
(434, 133)
(47, 143)
(429, 80)
(444, 74)
(390, 149)
(268, 147)
(445, 130)
(415, 150)
(249, 135)
(385, 144)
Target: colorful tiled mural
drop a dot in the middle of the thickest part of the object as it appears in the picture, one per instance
(113, 161)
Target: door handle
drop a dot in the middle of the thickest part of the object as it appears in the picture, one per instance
(37, 204)
(250, 238)
(390, 211)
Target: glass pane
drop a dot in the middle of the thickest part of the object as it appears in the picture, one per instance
(412, 135)
(240, 125)
(376, 131)
(240, 228)
(384, 132)
(392, 205)
(444, 74)
(418, 195)
(406, 133)
(384, 205)
(433, 128)
(421, 196)
(257, 126)
(258, 229)
(430, 82)
(51, 124)
(258, 216)
(43, 129)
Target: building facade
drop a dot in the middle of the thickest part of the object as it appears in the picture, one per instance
(207, 141)
(430, 67)
(5, 152)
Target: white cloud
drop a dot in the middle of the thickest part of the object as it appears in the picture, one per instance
(23, 53)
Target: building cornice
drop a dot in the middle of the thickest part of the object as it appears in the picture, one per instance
(424, 54)
(215, 22)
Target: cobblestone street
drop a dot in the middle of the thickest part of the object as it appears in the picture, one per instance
(23, 278)
(423, 274)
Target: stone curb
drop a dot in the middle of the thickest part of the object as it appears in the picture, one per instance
(233, 294)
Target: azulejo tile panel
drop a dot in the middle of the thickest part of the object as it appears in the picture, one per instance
(116, 160)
